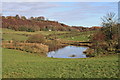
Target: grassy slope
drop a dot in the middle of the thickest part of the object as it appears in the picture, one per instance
(77, 36)
(17, 64)
(14, 37)
(4, 30)
(21, 35)
(9, 34)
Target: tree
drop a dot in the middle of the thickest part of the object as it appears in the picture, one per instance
(23, 18)
(111, 27)
(106, 39)
(32, 18)
(41, 18)
(17, 17)
(109, 21)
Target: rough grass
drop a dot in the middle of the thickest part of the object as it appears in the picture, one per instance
(14, 37)
(17, 64)
(9, 34)
(78, 36)
(4, 30)
(23, 35)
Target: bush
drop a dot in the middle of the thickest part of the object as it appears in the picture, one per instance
(22, 28)
(106, 40)
(30, 30)
(25, 28)
(54, 45)
(37, 38)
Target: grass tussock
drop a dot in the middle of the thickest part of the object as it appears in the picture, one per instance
(28, 47)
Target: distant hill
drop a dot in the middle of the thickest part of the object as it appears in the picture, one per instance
(21, 23)
(82, 29)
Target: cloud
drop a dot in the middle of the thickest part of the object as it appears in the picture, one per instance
(84, 12)
(71, 13)
(28, 8)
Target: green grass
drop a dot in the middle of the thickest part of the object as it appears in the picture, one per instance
(9, 34)
(18, 64)
(14, 37)
(51, 32)
(4, 30)
(77, 36)
(21, 35)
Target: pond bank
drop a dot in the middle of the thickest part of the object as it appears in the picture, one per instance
(88, 44)
(64, 43)
(42, 49)
(78, 43)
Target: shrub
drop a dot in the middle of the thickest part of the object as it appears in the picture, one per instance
(106, 40)
(54, 45)
(22, 28)
(28, 47)
(37, 38)
(30, 30)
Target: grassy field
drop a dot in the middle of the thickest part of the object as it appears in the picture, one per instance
(9, 34)
(14, 37)
(18, 64)
(22, 35)
(31, 33)
(77, 36)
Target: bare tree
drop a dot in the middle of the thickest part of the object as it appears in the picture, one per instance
(109, 21)
(111, 26)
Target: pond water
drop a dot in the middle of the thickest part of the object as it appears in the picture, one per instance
(68, 52)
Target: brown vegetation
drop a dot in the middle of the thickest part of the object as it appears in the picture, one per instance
(33, 24)
(37, 38)
(21, 23)
(28, 47)
(82, 29)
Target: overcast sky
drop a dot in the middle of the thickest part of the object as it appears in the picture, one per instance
(71, 13)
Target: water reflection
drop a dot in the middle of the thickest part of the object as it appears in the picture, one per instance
(68, 52)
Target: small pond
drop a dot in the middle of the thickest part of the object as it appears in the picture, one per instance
(68, 52)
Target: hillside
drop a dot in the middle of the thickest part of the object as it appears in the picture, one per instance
(82, 29)
(32, 24)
